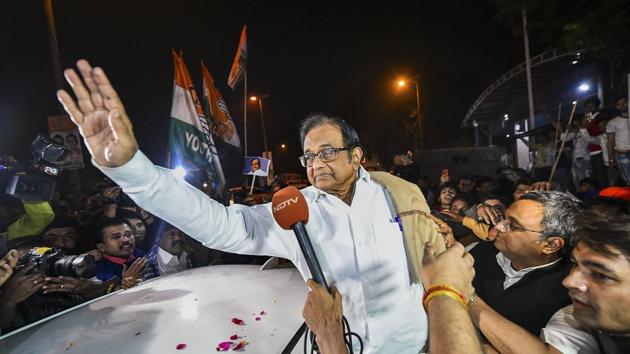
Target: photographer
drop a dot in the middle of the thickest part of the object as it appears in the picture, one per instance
(62, 233)
(36, 289)
(17, 221)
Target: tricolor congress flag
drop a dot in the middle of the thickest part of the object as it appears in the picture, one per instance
(240, 61)
(190, 142)
(214, 107)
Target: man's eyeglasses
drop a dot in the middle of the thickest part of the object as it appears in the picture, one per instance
(506, 226)
(325, 155)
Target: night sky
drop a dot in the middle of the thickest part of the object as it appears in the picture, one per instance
(339, 58)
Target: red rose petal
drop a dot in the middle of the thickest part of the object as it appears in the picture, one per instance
(262, 313)
(224, 346)
(234, 337)
(181, 346)
(257, 318)
(238, 321)
(241, 345)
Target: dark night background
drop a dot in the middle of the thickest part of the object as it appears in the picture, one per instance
(339, 58)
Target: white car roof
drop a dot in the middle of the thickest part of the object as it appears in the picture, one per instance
(194, 308)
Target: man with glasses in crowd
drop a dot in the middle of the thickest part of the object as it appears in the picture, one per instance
(354, 231)
(520, 274)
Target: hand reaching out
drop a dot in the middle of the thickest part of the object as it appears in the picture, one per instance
(489, 214)
(21, 286)
(453, 267)
(453, 216)
(68, 285)
(111, 193)
(7, 263)
(100, 116)
(445, 230)
(323, 314)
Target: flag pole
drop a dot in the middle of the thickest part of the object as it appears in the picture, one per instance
(245, 110)
(251, 189)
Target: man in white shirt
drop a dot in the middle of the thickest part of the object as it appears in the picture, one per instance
(618, 133)
(352, 225)
(168, 255)
(581, 159)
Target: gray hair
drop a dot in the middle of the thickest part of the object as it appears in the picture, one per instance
(560, 215)
(313, 120)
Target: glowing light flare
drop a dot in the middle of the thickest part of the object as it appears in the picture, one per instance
(180, 171)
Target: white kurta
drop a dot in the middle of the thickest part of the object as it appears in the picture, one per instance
(360, 247)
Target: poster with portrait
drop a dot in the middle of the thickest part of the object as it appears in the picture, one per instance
(63, 132)
(256, 165)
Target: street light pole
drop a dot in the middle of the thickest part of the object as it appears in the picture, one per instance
(262, 117)
(262, 120)
(420, 140)
(419, 143)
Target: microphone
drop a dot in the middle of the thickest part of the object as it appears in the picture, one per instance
(291, 212)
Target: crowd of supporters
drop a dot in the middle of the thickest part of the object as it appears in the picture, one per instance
(528, 237)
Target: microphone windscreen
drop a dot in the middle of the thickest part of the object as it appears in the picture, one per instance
(289, 207)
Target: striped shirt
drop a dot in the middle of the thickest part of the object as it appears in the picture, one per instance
(619, 127)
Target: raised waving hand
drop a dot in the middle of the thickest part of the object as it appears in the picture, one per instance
(99, 114)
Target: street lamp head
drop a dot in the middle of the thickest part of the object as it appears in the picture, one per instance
(402, 83)
(584, 87)
(283, 146)
(253, 98)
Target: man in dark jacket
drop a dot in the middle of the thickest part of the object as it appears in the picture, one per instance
(520, 274)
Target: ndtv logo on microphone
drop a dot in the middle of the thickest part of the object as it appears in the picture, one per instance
(285, 204)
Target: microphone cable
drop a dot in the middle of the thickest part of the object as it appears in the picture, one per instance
(347, 338)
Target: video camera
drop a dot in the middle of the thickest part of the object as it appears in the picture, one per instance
(54, 263)
(35, 180)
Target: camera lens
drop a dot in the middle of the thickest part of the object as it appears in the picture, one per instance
(82, 266)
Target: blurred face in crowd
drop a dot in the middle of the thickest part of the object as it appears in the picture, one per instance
(586, 186)
(172, 242)
(599, 286)
(62, 237)
(139, 230)
(519, 234)
(465, 185)
(591, 107)
(622, 106)
(520, 190)
(118, 241)
(484, 188)
(11, 211)
(335, 176)
(446, 196)
(458, 205)
(71, 140)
